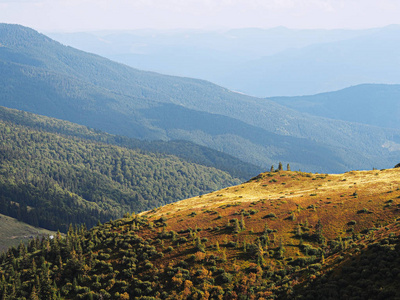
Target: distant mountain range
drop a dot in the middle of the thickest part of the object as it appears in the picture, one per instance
(373, 104)
(42, 76)
(261, 62)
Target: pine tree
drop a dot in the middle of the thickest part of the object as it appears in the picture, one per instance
(281, 249)
(224, 256)
(34, 295)
(237, 226)
(260, 253)
(217, 245)
(266, 229)
(46, 290)
(318, 233)
(298, 231)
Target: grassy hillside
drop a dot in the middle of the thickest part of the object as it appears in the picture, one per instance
(51, 180)
(373, 104)
(42, 76)
(13, 232)
(280, 235)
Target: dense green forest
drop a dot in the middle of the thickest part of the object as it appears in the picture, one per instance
(50, 180)
(183, 149)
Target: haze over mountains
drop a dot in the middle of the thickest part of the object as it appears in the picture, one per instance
(42, 76)
(373, 104)
(261, 62)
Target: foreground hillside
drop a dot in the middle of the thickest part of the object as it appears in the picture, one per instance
(42, 76)
(281, 235)
(51, 180)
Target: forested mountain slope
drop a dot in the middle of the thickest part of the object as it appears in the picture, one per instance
(185, 150)
(51, 180)
(42, 76)
(282, 235)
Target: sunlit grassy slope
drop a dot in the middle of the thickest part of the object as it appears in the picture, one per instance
(12, 232)
(368, 197)
(310, 225)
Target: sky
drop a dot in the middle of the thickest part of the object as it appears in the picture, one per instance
(89, 15)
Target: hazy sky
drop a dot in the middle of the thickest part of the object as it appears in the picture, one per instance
(75, 15)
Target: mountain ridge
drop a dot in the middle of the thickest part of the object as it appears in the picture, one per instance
(245, 59)
(372, 104)
(96, 92)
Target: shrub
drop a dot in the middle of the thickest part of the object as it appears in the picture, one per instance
(224, 278)
(169, 249)
(270, 215)
(182, 240)
(231, 244)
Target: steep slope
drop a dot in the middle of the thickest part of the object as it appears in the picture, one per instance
(267, 238)
(373, 104)
(42, 76)
(51, 180)
(368, 271)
